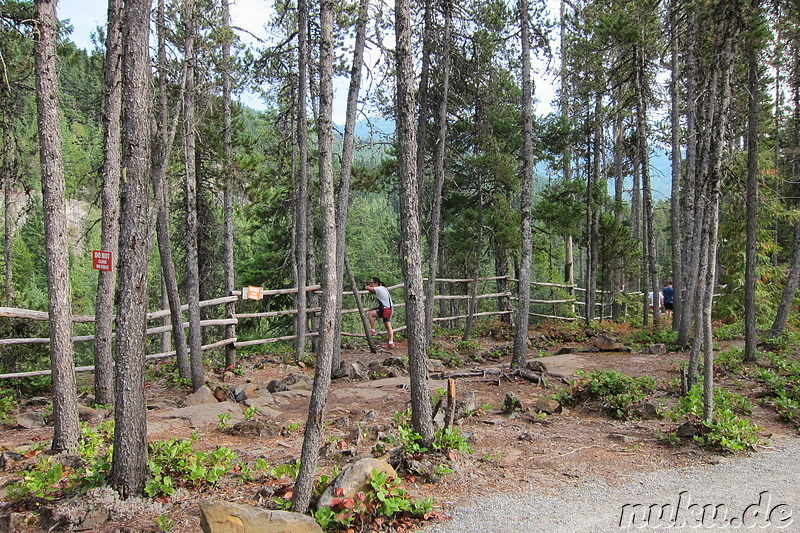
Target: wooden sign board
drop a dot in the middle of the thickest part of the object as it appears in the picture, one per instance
(102, 260)
(253, 293)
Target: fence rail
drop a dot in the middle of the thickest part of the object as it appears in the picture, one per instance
(455, 301)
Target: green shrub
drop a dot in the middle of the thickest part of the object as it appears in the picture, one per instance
(614, 390)
(367, 512)
(726, 431)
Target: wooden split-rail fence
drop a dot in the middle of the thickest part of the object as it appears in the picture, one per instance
(451, 309)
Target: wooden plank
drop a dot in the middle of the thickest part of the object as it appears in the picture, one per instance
(15, 312)
(185, 307)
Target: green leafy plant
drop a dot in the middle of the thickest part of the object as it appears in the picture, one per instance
(387, 499)
(7, 406)
(615, 391)
(450, 439)
(251, 412)
(726, 431)
(469, 348)
(289, 470)
(176, 463)
(47, 480)
(164, 523)
(293, 427)
(223, 420)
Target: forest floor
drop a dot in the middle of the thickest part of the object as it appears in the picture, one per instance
(516, 452)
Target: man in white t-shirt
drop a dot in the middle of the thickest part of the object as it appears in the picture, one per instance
(384, 309)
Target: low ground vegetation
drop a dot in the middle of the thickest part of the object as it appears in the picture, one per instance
(44, 491)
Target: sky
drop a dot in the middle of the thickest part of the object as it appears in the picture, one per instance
(250, 15)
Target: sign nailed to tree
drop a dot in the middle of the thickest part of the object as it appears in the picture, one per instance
(101, 260)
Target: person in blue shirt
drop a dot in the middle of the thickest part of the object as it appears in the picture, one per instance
(669, 297)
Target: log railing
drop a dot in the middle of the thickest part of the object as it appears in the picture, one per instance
(455, 301)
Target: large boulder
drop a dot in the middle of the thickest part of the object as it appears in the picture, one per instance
(354, 479)
(203, 415)
(227, 517)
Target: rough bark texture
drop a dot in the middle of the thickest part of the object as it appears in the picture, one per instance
(8, 234)
(331, 290)
(129, 466)
(438, 178)
(190, 184)
(348, 141)
(65, 410)
(520, 355)
(301, 201)
(160, 161)
(677, 164)
(565, 107)
(410, 234)
(107, 280)
(750, 353)
(651, 266)
(228, 172)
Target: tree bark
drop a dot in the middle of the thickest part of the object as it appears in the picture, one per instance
(190, 184)
(8, 234)
(520, 354)
(677, 164)
(651, 279)
(410, 234)
(107, 280)
(438, 178)
(331, 287)
(301, 207)
(129, 465)
(752, 201)
(228, 171)
(565, 109)
(160, 160)
(348, 142)
(65, 409)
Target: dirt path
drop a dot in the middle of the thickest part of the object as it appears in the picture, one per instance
(758, 492)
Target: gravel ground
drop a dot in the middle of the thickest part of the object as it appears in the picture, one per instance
(758, 493)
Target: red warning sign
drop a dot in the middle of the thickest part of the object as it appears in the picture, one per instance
(101, 260)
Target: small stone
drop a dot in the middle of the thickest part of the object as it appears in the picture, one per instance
(548, 406)
(619, 437)
(687, 430)
(201, 396)
(30, 420)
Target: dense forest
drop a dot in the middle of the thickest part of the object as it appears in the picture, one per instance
(141, 148)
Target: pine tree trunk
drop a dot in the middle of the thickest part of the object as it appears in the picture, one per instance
(677, 164)
(565, 107)
(750, 351)
(129, 464)
(65, 409)
(8, 234)
(107, 280)
(520, 354)
(651, 261)
(190, 185)
(439, 168)
(160, 160)
(228, 171)
(410, 233)
(301, 208)
(331, 287)
(348, 142)
(473, 295)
